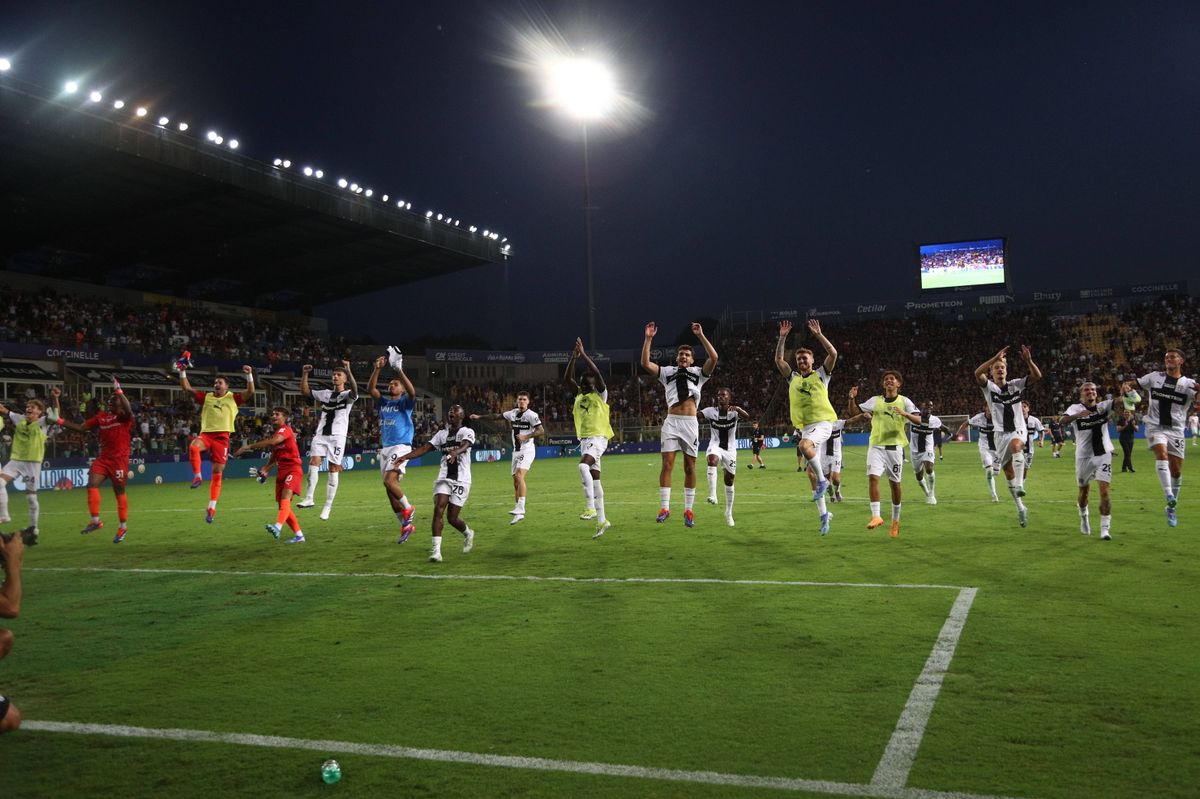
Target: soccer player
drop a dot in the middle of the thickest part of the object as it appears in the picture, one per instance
(987, 447)
(921, 436)
(1093, 455)
(218, 410)
(1056, 436)
(285, 457)
(808, 400)
(25, 460)
(116, 426)
(526, 426)
(453, 483)
(395, 435)
(593, 429)
(832, 460)
(681, 429)
(757, 439)
(329, 442)
(888, 413)
(1035, 431)
(1003, 398)
(1171, 396)
(722, 446)
(1194, 426)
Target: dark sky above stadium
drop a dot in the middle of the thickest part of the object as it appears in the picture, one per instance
(790, 153)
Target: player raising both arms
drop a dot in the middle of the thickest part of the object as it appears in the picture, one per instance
(453, 483)
(285, 456)
(808, 399)
(329, 441)
(1093, 454)
(681, 429)
(1003, 398)
(218, 410)
(722, 446)
(526, 426)
(593, 429)
(1171, 397)
(888, 413)
(395, 435)
(115, 426)
(28, 452)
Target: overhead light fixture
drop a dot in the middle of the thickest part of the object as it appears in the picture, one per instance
(307, 171)
(119, 104)
(342, 183)
(95, 97)
(70, 87)
(183, 126)
(5, 65)
(318, 174)
(163, 122)
(233, 144)
(141, 111)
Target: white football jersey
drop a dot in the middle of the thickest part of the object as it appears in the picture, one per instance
(1170, 399)
(335, 411)
(833, 444)
(523, 423)
(681, 383)
(1004, 405)
(920, 436)
(1091, 431)
(722, 427)
(987, 431)
(1034, 430)
(460, 469)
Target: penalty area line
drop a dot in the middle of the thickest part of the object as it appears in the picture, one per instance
(496, 578)
(498, 761)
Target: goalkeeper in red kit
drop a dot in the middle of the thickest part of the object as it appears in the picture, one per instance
(115, 426)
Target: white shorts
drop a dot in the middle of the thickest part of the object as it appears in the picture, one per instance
(30, 472)
(921, 458)
(389, 455)
(1004, 447)
(458, 492)
(987, 456)
(891, 461)
(1096, 467)
(523, 458)
(727, 458)
(681, 434)
(1156, 435)
(832, 464)
(331, 447)
(817, 432)
(594, 446)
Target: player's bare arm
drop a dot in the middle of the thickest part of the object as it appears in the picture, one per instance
(781, 362)
(184, 382)
(305, 391)
(831, 353)
(373, 380)
(1035, 373)
(487, 417)
(647, 364)
(350, 377)
(595, 370)
(248, 394)
(740, 411)
(261, 444)
(424, 449)
(569, 374)
(981, 371)
(852, 404)
(710, 362)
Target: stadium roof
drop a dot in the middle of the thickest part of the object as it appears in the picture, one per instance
(86, 197)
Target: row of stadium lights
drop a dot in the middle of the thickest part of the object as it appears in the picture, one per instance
(354, 188)
(140, 112)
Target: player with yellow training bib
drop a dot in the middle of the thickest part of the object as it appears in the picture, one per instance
(889, 412)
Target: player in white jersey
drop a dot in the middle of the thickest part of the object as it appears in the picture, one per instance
(680, 430)
(922, 441)
(987, 447)
(329, 440)
(526, 426)
(831, 462)
(1194, 426)
(1034, 431)
(722, 446)
(1093, 455)
(1171, 397)
(453, 483)
(1003, 398)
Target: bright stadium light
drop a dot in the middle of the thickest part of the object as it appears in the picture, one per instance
(95, 97)
(287, 164)
(318, 174)
(183, 126)
(472, 228)
(384, 198)
(71, 86)
(219, 140)
(141, 111)
(307, 171)
(428, 214)
(354, 187)
(359, 190)
(439, 217)
(5, 65)
(486, 234)
(212, 136)
(233, 144)
(163, 122)
(408, 206)
(342, 183)
(584, 89)
(370, 192)
(119, 104)
(277, 162)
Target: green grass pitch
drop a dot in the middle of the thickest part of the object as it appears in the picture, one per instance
(1076, 673)
(949, 280)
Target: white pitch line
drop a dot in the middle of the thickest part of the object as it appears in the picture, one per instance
(501, 761)
(901, 751)
(495, 577)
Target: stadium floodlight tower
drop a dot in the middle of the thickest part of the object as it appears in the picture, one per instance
(586, 91)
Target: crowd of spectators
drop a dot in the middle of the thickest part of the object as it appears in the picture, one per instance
(47, 317)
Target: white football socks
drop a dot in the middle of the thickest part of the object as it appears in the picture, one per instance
(1164, 477)
(589, 497)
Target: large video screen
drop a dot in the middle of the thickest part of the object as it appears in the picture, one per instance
(962, 264)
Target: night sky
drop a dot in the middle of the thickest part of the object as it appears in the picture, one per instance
(790, 155)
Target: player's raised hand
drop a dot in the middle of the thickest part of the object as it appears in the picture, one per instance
(1026, 354)
(306, 368)
(697, 329)
(579, 346)
(853, 392)
(474, 417)
(814, 327)
(785, 327)
(380, 361)
(651, 330)
(1001, 355)
(55, 391)
(246, 369)
(346, 366)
